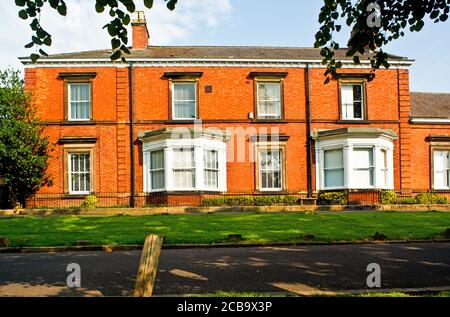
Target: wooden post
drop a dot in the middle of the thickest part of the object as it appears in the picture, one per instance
(148, 266)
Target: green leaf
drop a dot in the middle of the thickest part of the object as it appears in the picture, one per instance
(20, 3)
(42, 52)
(115, 43)
(116, 55)
(171, 4)
(48, 41)
(62, 10)
(34, 57)
(356, 60)
(29, 45)
(23, 14)
(99, 8)
(54, 3)
(148, 3)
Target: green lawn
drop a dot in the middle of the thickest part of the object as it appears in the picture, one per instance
(214, 228)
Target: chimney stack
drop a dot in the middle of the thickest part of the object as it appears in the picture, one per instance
(140, 31)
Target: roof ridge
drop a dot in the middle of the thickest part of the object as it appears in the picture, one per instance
(430, 93)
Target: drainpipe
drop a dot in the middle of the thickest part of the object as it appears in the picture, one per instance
(132, 158)
(308, 133)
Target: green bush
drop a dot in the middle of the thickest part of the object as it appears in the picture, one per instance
(90, 202)
(388, 197)
(407, 201)
(276, 200)
(431, 198)
(332, 198)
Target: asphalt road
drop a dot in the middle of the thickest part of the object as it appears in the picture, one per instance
(197, 271)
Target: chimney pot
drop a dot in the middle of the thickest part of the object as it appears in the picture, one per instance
(140, 30)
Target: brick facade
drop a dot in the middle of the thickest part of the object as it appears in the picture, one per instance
(228, 106)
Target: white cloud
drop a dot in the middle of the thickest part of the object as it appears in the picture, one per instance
(82, 28)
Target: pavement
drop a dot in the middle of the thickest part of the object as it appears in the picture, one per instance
(301, 270)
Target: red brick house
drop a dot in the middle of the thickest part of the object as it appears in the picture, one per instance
(181, 123)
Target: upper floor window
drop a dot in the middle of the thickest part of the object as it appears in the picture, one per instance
(79, 101)
(352, 101)
(441, 172)
(269, 100)
(184, 100)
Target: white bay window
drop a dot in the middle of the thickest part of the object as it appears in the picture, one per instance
(354, 158)
(192, 163)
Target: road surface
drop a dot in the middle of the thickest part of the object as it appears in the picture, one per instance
(197, 271)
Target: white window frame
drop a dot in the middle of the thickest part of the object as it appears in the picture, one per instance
(269, 116)
(199, 145)
(445, 170)
(371, 168)
(385, 167)
(192, 168)
(334, 169)
(207, 169)
(69, 101)
(70, 172)
(150, 170)
(174, 83)
(347, 144)
(281, 170)
(344, 107)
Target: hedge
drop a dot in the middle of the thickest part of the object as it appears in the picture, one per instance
(276, 200)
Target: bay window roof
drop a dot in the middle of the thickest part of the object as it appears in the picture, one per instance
(185, 133)
(355, 132)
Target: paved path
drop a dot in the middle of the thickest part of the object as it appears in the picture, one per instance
(276, 269)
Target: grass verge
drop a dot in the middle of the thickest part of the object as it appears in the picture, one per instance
(215, 228)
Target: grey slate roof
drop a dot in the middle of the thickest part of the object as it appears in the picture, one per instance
(215, 52)
(430, 105)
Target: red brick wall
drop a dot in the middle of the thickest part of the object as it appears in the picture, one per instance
(227, 106)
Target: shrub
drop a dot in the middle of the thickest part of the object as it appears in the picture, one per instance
(407, 201)
(332, 198)
(388, 197)
(276, 200)
(90, 202)
(431, 198)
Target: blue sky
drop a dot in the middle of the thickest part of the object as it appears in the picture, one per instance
(226, 22)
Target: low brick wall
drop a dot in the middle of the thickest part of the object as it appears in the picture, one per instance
(205, 210)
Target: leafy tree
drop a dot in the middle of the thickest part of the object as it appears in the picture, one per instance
(24, 150)
(374, 23)
(119, 10)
